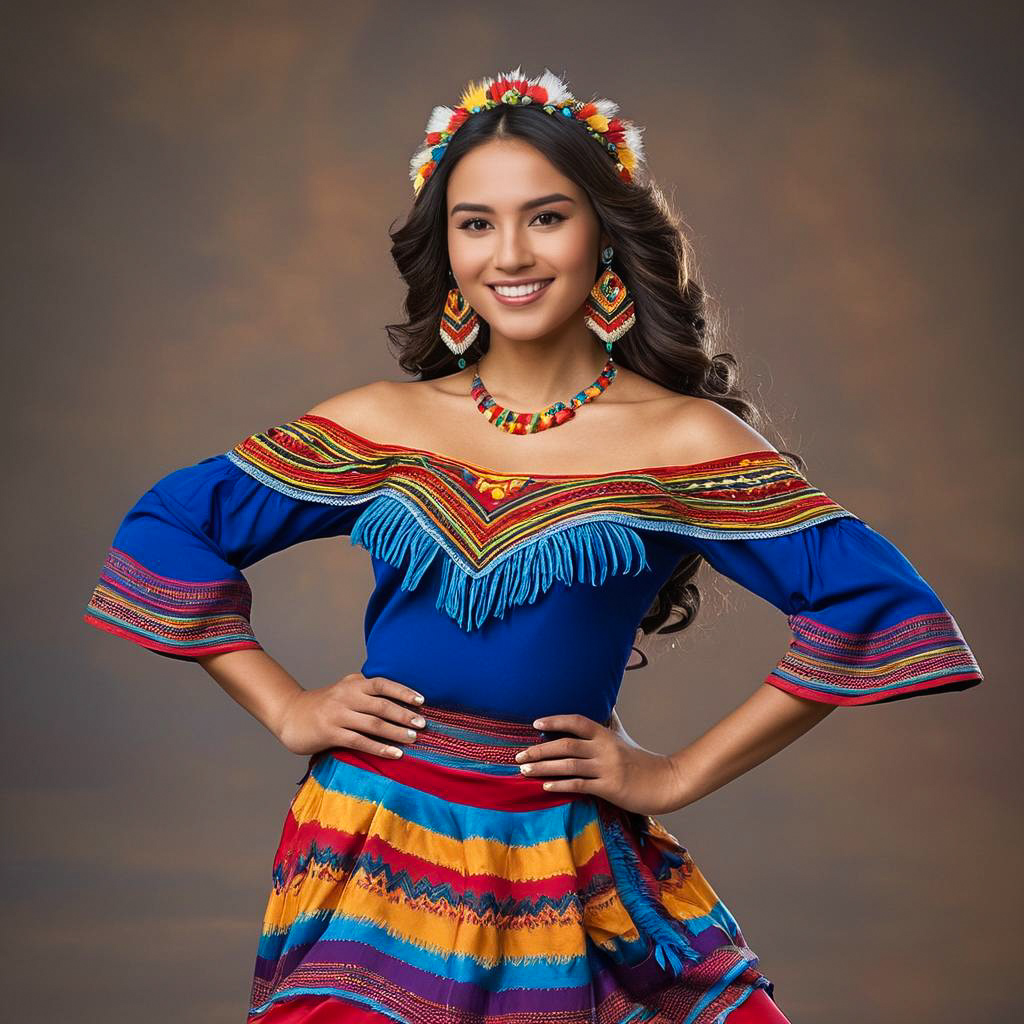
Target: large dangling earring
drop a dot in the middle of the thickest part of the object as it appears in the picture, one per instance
(460, 323)
(610, 310)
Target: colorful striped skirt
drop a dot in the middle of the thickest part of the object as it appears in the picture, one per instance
(445, 887)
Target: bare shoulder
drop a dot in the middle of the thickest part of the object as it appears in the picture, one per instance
(361, 408)
(705, 430)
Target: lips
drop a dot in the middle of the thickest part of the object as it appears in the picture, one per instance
(516, 284)
(521, 300)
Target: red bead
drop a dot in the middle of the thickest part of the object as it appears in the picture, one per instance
(528, 423)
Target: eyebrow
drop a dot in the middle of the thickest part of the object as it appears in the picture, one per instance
(529, 205)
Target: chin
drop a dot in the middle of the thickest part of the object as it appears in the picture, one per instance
(529, 322)
(524, 328)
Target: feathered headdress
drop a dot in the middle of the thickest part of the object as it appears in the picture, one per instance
(621, 138)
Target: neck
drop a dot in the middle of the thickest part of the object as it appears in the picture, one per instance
(531, 375)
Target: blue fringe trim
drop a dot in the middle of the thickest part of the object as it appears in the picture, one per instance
(580, 552)
(670, 946)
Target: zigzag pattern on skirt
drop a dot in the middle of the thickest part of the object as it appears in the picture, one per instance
(444, 886)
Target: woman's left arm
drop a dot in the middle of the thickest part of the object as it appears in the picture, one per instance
(866, 628)
(606, 761)
(768, 720)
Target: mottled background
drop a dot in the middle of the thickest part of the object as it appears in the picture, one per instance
(197, 198)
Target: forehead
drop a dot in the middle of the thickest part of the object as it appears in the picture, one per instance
(504, 172)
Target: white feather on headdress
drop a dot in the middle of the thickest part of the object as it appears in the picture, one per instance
(439, 119)
(556, 89)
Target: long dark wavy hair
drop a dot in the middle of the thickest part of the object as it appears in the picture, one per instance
(677, 338)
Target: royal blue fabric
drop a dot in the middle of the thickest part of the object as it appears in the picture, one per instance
(842, 572)
(565, 652)
(212, 520)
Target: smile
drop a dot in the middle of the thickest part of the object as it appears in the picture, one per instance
(519, 295)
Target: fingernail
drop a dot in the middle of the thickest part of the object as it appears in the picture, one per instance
(526, 768)
(411, 733)
(538, 724)
(418, 698)
(394, 751)
(519, 756)
(419, 722)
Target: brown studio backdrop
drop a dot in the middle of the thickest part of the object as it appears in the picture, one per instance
(196, 248)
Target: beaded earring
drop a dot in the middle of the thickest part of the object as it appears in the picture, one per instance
(460, 323)
(610, 310)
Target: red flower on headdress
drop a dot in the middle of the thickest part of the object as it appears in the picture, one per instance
(587, 110)
(615, 131)
(537, 93)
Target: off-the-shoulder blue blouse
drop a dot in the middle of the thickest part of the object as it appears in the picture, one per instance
(519, 596)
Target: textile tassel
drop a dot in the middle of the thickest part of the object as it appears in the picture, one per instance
(670, 947)
(583, 552)
(388, 530)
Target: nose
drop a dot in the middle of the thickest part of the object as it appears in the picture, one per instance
(512, 254)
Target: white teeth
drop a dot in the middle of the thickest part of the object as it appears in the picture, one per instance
(521, 289)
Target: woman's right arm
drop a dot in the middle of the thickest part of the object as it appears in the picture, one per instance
(172, 580)
(348, 713)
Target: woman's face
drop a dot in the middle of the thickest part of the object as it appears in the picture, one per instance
(498, 232)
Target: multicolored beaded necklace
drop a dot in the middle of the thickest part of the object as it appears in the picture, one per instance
(530, 422)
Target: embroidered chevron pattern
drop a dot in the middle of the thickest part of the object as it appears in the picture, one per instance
(508, 537)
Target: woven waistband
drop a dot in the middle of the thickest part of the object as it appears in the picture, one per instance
(482, 739)
(455, 741)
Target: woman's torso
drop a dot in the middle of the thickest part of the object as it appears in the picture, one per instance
(562, 648)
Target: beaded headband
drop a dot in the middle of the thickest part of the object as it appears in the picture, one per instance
(621, 138)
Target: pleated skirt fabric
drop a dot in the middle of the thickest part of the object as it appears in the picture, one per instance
(445, 887)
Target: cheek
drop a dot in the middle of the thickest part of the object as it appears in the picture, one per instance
(573, 254)
(467, 251)
(576, 276)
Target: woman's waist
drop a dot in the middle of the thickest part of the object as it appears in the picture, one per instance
(459, 737)
(466, 756)
(507, 691)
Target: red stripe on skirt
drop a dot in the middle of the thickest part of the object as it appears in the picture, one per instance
(318, 1010)
(757, 1008)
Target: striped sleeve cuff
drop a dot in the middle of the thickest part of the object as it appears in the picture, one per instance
(178, 618)
(921, 654)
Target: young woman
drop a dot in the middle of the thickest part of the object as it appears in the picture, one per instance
(475, 837)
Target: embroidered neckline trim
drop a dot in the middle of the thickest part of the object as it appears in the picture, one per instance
(763, 456)
(507, 551)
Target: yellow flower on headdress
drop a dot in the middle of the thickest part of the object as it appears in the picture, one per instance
(474, 96)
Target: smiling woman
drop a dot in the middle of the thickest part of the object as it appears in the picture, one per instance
(475, 839)
(521, 254)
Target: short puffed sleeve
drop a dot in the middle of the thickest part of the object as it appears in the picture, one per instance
(866, 626)
(172, 577)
